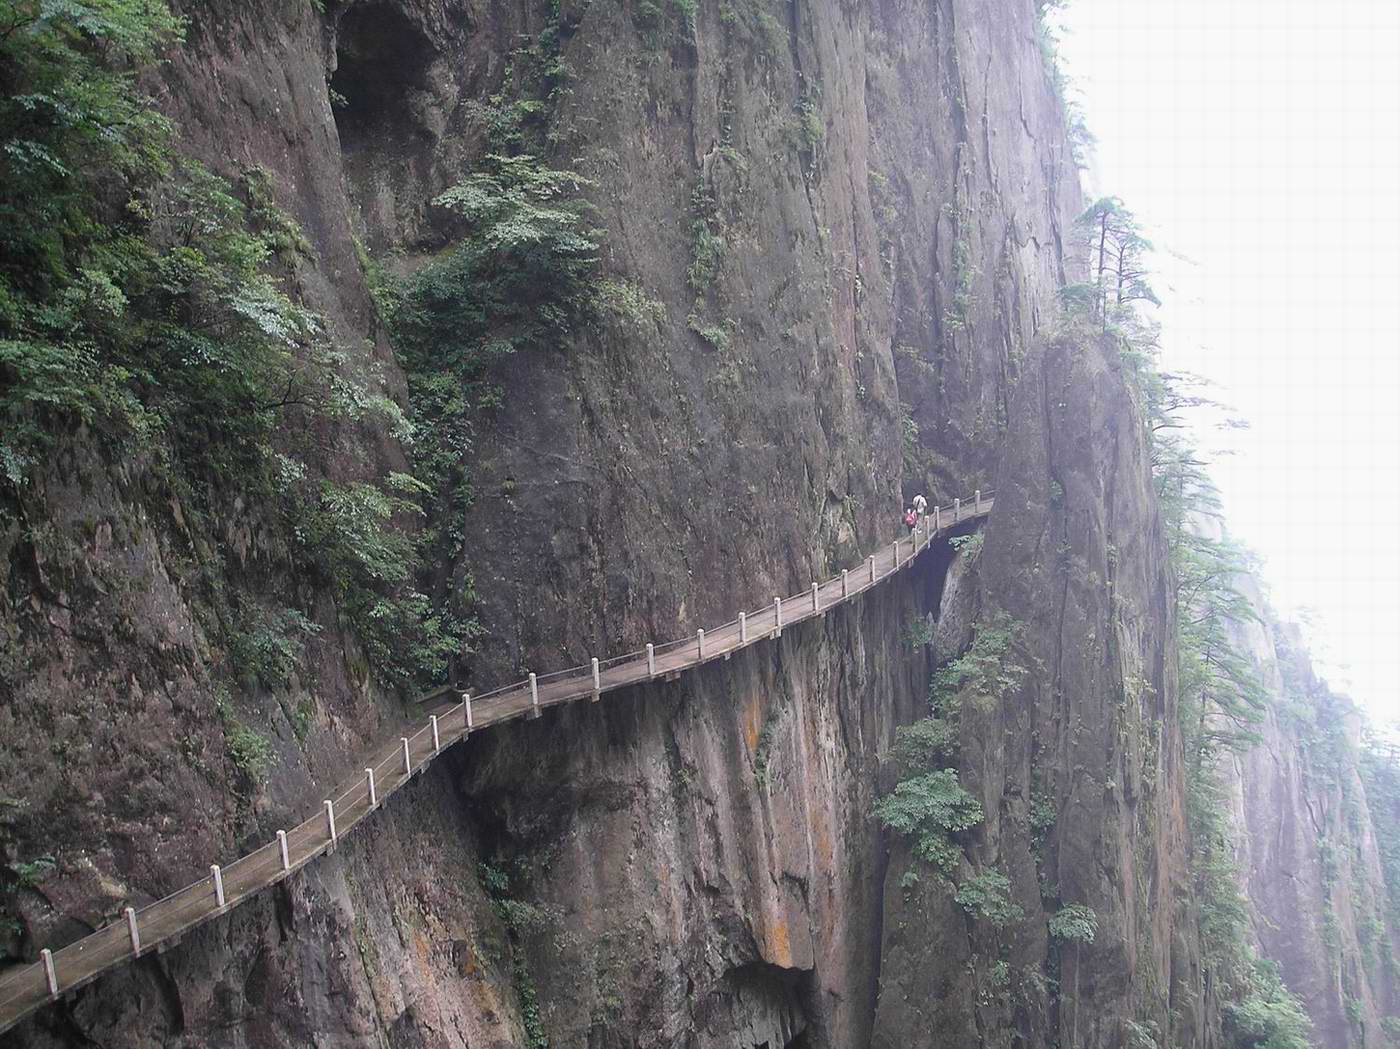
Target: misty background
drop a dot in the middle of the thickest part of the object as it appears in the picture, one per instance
(1259, 143)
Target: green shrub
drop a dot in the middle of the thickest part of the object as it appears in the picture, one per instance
(1141, 1035)
(267, 646)
(928, 810)
(918, 634)
(628, 301)
(706, 256)
(1074, 923)
(349, 533)
(986, 673)
(1268, 1015)
(249, 751)
(31, 874)
(1390, 1027)
(967, 545)
(689, 10)
(918, 747)
(987, 895)
(1042, 814)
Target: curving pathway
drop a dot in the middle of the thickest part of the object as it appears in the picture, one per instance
(448, 718)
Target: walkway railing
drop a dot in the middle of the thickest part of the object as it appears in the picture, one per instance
(450, 717)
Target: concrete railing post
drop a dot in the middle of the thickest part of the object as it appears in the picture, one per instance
(437, 740)
(218, 876)
(651, 659)
(936, 523)
(282, 850)
(896, 553)
(816, 599)
(743, 629)
(957, 510)
(370, 792)
(50, 976)
(977, 501)
(872, 568)
(132, 932)
(330, 822)
(467, 723)
(845, 583)
(777, 617)
(534, 697)
(597, 681)
(700, 644)
(407, 763)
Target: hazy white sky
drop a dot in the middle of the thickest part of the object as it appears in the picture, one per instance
(1260, 140)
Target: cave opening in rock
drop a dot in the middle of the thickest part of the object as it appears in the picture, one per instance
(382, 61)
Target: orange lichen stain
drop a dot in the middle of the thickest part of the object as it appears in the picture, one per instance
(753, 721)
(777, 942)
(423, 948)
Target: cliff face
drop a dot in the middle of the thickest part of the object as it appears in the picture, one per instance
(695, 863)
(1078, 770)
(1307, 844)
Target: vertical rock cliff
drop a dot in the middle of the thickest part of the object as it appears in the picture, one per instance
(838, 230)
(1308, 844)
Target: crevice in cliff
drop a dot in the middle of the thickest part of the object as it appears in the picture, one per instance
(382, 62)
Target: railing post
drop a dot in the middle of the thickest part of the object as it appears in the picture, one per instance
(977, 501)
(330, 822)
(132, 932)
(700, 644)
(282, 850)
(597, 681)
(816, 599)
(872, 568)
(407, 764)
(467, 724)
(651, 659)
(369, 786)
(845, 583)
(743, 629)
(896, 553)
(957, 510)
(777, 617)
(437, 740)
(50, 976)
(218, 876)
(534, 697)
(937, 524)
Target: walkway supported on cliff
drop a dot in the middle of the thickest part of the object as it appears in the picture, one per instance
(447, 718)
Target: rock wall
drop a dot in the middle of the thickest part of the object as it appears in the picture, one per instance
(1075, 554)
(691, 864)
(1307, 846)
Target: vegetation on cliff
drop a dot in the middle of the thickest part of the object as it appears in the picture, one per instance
(148, 303)
(1220, 700)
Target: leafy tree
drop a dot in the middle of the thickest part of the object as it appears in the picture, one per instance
(1074, 923)
(930, 809)
(1268, 1016)
(1118, 259)
(987, 895)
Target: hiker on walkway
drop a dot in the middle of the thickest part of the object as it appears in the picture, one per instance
(920, 505)
(911, 519)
